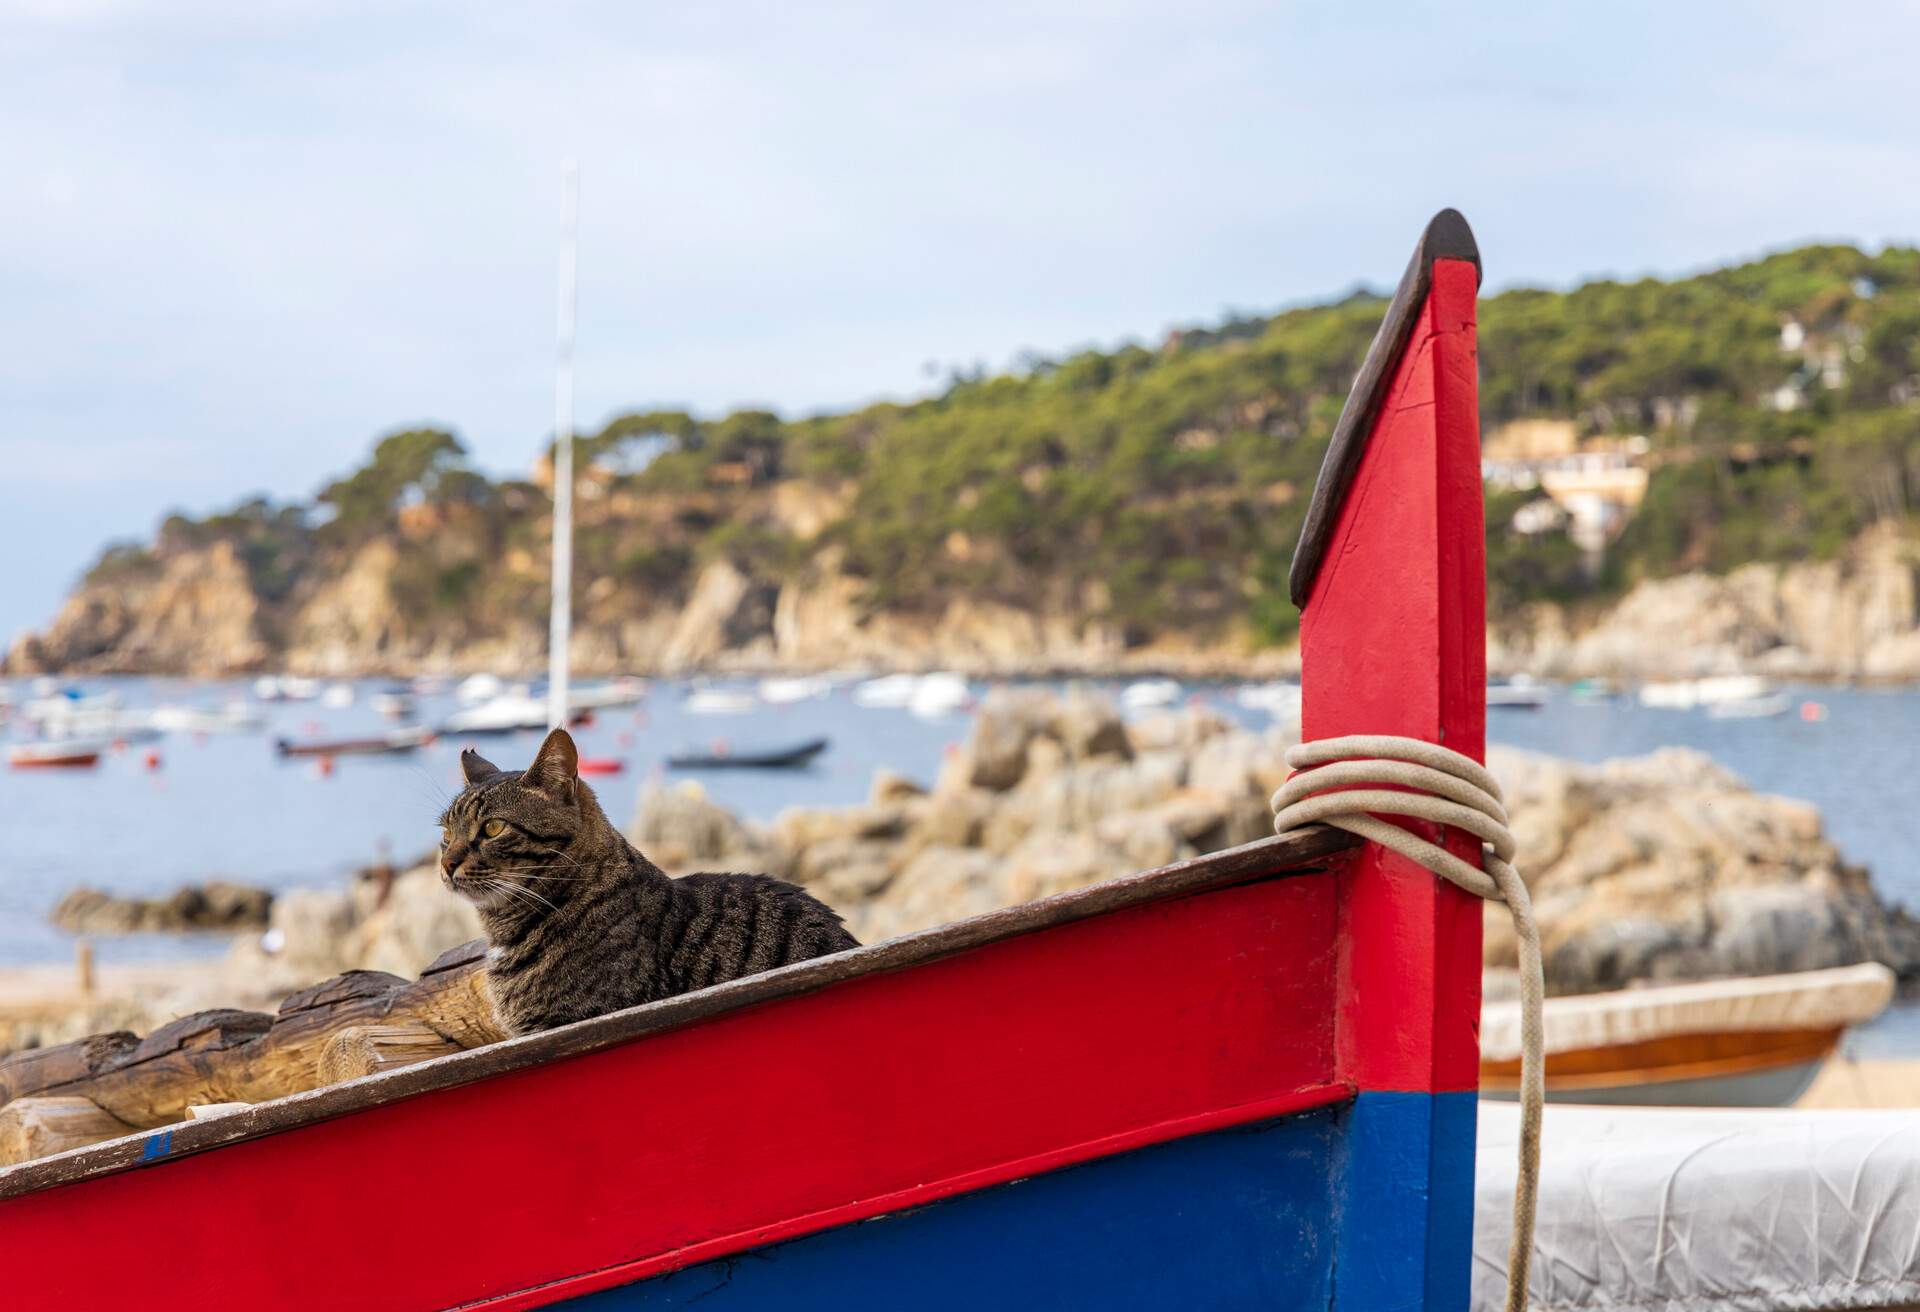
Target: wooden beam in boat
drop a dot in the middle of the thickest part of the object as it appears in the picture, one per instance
(242, 1056)
(40, 1127)
(1391, 575)
(369, 1049)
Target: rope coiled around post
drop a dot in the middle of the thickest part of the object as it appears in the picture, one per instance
(1373, 773)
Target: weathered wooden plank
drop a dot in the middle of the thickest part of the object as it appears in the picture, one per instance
(38, 1127)
(38, 1069)
(369, 1049)
(238, 1056)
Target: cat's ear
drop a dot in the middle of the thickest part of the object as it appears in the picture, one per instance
(556, 766)
(476, 767)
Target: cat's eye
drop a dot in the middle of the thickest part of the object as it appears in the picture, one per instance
(493, 828)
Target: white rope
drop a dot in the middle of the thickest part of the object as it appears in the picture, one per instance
(1456, 791)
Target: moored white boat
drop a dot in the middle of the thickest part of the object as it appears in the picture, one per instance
(719, 701)
(477, 688)
(1755, 1042)
(58, 705)
(509, 712)
(801, 688)
(889, 690)
(235, 717)
(940, 694)
(1150, 694)
(1520, 693)
(1685, 694)
(1752, 708)
(1278, 698)
(98, 719)
(606, 696)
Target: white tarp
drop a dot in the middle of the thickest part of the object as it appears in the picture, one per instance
(1712, 1210)
(1808, 999)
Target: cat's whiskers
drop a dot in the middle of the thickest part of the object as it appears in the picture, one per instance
(525, 893)
(517, 893)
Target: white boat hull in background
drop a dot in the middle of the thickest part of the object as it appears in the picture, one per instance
(507, 713)
(1278, 699)
(1752, 708)
(889, 691)
(191, 719)
(1150, 695)
(719, 701)
(1685, 694)
(936, 695)
(782, 692)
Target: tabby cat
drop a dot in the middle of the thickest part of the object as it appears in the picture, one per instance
(579, 922)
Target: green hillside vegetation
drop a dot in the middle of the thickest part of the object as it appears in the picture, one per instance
(1164, 488)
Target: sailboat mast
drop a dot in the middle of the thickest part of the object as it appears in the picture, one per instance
(560, 626)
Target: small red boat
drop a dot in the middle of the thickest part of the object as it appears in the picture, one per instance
(1245, 1080)
(55, 755)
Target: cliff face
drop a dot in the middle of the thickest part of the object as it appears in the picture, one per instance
(199, 614)
(203, 619)
(1857, 617)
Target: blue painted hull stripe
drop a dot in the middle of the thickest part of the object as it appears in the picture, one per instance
(1325, 1209)
(1407, 1235)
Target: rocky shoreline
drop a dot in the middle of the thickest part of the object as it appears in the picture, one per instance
(1663, 867)
(1852, 618)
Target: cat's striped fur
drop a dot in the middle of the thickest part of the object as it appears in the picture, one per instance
(579, 922)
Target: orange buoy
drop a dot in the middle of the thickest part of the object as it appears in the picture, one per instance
(1813, 712)
(153, 759)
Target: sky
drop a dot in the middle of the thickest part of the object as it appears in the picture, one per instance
(239, 241)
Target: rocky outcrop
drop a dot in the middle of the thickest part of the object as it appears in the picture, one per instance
(1048, 793)
(1667, 867)
(1663, 867)
(1856, 617)
(196, 613)
(216, 905)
